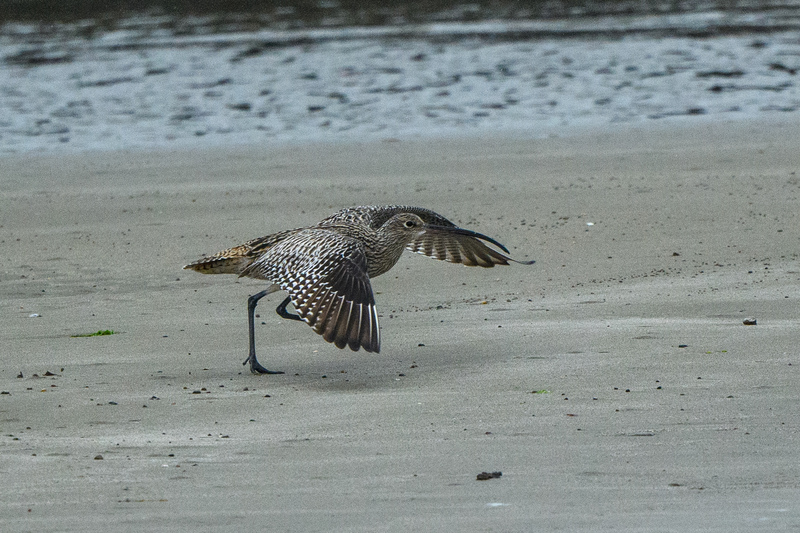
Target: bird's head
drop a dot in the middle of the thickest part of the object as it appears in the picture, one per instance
(408, 225)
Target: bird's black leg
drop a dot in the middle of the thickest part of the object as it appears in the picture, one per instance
(255, 367)
(281, 310)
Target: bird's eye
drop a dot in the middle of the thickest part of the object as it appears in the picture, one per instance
(409, 223)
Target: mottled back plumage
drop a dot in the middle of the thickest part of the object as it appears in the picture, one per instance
(326, 268)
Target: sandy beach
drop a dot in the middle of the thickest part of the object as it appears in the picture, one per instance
(613, 383)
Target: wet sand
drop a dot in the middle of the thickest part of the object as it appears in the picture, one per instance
(613, 383)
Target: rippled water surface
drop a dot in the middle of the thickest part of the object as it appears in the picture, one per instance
(107, 77)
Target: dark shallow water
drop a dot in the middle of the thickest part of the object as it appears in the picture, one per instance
(191, 16)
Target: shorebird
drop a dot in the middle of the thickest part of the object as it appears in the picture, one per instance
(326, 268)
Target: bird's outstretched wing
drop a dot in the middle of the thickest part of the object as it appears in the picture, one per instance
(457, 245)
(442, 239)
(325, 274)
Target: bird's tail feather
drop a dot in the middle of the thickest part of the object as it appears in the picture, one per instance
(230, 261)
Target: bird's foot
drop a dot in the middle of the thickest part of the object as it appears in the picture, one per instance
(256, 368)
(281, 310)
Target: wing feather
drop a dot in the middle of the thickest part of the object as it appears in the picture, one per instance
(457, 248)
(325, 275)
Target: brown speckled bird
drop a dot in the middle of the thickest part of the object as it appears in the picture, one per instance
(326, 268)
